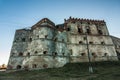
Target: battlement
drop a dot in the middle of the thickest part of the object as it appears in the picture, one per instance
(89, 21)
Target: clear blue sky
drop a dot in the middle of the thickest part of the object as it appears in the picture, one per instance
(16, 14)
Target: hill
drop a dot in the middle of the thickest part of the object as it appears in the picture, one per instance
(71, 71)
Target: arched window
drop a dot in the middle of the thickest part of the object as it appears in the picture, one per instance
(45, 66)
(18, 67)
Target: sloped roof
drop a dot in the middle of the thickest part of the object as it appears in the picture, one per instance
(44, 21)
(116, 40)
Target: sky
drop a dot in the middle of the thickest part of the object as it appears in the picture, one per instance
(17, 14)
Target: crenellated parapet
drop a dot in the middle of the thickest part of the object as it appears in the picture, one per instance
(81, 20)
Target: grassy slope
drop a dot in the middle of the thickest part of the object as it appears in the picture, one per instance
(72, 71)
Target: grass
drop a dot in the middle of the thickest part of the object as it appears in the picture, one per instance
(71, 71)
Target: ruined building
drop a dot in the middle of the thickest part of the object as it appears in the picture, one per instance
(46, 45)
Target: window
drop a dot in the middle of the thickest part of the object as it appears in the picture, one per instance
(30, 39)
(68, 29)
(23, 39)
(18, 67)
(28, 54)
(82, 54)
(105, 54)
(20, 54)
(36, 52)
(62, 40)
(94, 55)
(88, 31)
(55, 39)
(63, 54)
(80, 42)
(71, 52)
(102, 42)
(84, 38)
(90, 42)
(45, 52)
(34, 66)
(46, 36)
(54, 53)
(100, 32)
(79, 30)
(45, 66)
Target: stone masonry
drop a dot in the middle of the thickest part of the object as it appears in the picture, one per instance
(46, 45)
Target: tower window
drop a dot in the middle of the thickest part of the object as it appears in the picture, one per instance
(46, 36)
(28, 54)
(62, 40)
(45, 52)
(19, 67)
(88, 31)
(82, 54)
(63, 54)
(36, 52)
(90, 42)
(105, 54)
(34, 66)
(79, 30)
(100, 32)
(68, 29)
(80, 42)
(20, 54)
(102, 42)
(30, 39)
(23, 39)
(55, 39)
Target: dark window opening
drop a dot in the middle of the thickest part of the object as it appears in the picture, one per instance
(79, 30)
(71, 52)
(23, 39)
(34, 66)
(68, 29)
(30, 39)
(45, 66)
(102, 42)
(100, 32)
(105, 54)
(90, 42)
(37, 36)
(20, 54)
(19, 67)
(28, 54)
(55, 53)
(80, 42)
(45, 52)
(82, 54)
(93, 54)
(88, 31)
(55, 39)
(36, 52)
(63, 54)
(84, 38)
(62, 40)
(46, 36)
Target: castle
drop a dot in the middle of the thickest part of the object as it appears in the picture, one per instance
(46, 45)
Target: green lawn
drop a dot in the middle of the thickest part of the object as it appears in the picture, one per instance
(71, 71)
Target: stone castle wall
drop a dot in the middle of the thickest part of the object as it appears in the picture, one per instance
(46, 45)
